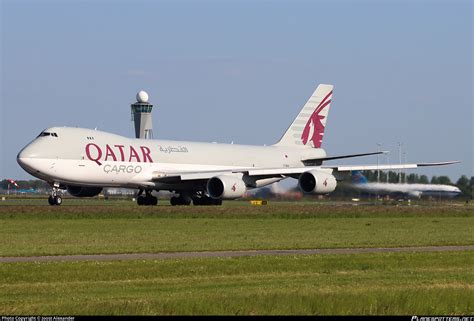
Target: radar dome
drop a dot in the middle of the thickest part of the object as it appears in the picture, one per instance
(142, 96)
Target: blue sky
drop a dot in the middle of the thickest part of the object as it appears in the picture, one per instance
(240, 71)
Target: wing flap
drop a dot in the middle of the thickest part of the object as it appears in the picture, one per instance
(186, 176)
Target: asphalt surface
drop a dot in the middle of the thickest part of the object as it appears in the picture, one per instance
(181, 255)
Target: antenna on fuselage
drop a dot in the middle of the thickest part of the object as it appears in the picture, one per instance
(141, 116)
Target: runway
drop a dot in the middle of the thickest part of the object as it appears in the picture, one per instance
(226, 254)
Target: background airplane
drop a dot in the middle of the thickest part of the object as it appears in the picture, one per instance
(27, 191)
(360, 182)
(84, 161)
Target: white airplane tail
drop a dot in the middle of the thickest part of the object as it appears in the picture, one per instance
(308, 127)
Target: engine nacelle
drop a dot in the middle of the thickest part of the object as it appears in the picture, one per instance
(82, 191)
(317, 182)
(226, 187)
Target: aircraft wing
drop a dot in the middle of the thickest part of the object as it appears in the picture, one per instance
(174, 177)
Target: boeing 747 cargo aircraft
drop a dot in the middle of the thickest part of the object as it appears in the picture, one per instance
(83, 161)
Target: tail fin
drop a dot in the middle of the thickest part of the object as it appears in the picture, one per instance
(358, 178)
(308, 127)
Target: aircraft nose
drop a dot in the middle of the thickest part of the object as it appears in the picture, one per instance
(22, 159)
(25, 157)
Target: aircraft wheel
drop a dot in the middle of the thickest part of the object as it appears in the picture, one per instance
(184, 199)
(58, 200)
(141, 200)
(180, 200)
(174, 201)
(153, 201)
(206, 201)
(51, 200)
(197, 201)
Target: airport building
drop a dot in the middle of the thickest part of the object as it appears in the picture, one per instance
(141, 116)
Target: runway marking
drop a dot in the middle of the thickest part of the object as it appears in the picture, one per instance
(178, 255)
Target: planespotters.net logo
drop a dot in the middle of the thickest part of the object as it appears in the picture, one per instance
(415, 318)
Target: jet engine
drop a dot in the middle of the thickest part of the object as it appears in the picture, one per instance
(317, 182)
(226, 187)
(82, 191)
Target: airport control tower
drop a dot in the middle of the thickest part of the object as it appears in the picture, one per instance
(141, 115)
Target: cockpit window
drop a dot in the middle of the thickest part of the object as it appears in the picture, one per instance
(47, 134)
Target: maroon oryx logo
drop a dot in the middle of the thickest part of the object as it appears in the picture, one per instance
(315, 123)
(234, 187)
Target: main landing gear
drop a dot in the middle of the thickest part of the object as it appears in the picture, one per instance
(183, 199)
(198, 198)
(147, 200)
(206, 200)
(54, 198)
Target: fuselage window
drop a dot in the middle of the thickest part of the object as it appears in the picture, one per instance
(43, 134)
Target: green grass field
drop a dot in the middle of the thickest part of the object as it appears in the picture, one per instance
(416, 283)
(376, 283)
(47, 230)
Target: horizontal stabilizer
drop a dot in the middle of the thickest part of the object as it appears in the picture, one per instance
(358, 178)
(438, 164)
(342, 156)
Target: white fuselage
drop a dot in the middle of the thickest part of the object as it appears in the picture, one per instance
(85, 157)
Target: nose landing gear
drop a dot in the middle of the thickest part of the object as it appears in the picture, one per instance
(54, 198)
